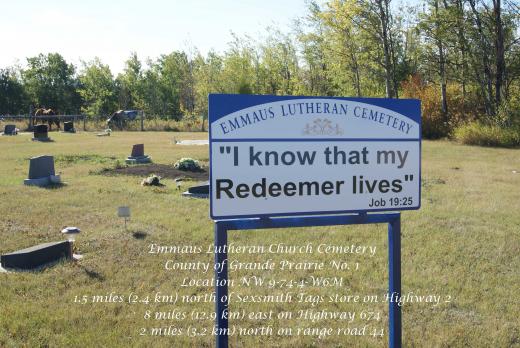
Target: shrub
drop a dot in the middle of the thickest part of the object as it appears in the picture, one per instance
(477, 133)
(433, 123)
(187, 164)
(460, 109)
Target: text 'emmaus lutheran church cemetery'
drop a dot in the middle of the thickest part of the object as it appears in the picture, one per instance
(328, 173)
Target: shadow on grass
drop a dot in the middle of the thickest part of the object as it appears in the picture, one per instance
(139, 235)
(427, 182)
(43, 140)
(54, 186)
(93, 274)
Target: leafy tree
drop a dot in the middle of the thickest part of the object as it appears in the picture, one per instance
(313, 47)
(173, 71)
(279, 64)
(436, 27)
(12, 93)
(129, 84)
(50, 81)
(240, 72)
(207, 78)
(152, 94)
(344, 46)
(97, 89)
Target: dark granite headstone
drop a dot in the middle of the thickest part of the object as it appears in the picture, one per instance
(138, 156)
(41, 131)
(68, 126)
(41, 166)
(200, 189)
(9, 129)
(37, 256)
(137, 150)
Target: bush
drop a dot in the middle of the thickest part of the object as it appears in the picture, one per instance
(476, 133)
(187, 164)
(460, 110)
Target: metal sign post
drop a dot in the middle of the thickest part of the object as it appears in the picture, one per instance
(124, 212)
(394, 261)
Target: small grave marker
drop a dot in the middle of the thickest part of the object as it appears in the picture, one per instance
(10, 129)
(138, 155)
(124, 212)
(68, 127)
(41, 133)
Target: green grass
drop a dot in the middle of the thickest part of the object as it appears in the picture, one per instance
(463, 243)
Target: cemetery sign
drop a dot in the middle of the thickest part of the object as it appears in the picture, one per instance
(293, 155)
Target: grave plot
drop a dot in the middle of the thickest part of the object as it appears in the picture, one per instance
(165, 171)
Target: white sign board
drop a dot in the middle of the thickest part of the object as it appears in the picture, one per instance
(280, 156)
(123, 212)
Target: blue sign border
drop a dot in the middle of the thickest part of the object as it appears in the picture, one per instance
(221, 105)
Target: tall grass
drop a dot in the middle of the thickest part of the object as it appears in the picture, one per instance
(188, 124)
(476, 133)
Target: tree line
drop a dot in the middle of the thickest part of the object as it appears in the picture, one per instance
(460, 57)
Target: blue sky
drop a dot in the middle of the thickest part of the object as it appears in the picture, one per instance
(111, 30)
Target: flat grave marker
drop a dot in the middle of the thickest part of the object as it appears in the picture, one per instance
(37, 256)
(198, 191)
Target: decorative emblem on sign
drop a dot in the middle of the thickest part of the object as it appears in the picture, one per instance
(322, 127)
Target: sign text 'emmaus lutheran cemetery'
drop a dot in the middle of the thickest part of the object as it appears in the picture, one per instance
(274, 155)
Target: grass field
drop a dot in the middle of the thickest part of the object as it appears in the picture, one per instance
(463, 245)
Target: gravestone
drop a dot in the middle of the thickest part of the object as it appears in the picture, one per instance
(198, 191)
(69, 127)
(10, 129)
(137, 150)
(138, 155)
(41, 171)
(37, 255)
(41, 133)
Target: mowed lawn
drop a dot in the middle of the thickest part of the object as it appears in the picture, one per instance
(463, 245)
